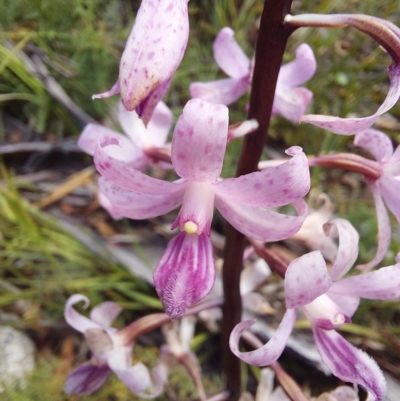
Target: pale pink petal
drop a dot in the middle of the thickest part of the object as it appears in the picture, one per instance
(75, 319)
(349, 363)
(345, 393)
(197, 207)
(274, 186)
(199, 141)
(146, 107)
(348, 247)
(154, 49)
(350, 126)
(260, 223)
(129, 178)
(322, 312)
(384, 228)
(111, 209)
(127, 151)
(291, 103)
(105, 313)
(223, 91)
(113, 91)
(390, 191)
(86, 379)
(382, 284)
(229, 55)
(133, 127)
(159, 125)
(137, 205)
(306, 279)
(387, 35)
(242, 129)
(269, 352)
(376, 142)
(300, 70)
(136, 377)
(347, 304)
(186, 273)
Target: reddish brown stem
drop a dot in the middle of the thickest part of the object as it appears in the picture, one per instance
(270, 48)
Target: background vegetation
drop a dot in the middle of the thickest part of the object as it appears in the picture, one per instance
(80, 42)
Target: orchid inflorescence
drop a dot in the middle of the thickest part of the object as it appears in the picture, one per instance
(314, 282)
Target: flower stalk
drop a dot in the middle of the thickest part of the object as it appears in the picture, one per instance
(271, 44)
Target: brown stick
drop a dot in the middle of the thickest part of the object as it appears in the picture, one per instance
(271, 45)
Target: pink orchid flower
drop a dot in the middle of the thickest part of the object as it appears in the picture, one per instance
(136, 145)
(387, 35)
(109, 353)
(186, 272)
(329, 301)
(387, 186)
(152, 54)
(290, 100)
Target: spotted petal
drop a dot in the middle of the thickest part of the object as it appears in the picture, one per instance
(274, 186)
(380, 284)
(199, 141)
(376, 142)
(136, 205)
(260, 223)
(306, 279)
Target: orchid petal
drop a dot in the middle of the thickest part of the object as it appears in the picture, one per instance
(390, 190)
(376, 142)
(322, 312)
(197, 207)
(114, 212)
(350, 126)
(185, 273)
(133, 127)
(260, 223)
(127, 151)
(136, 205)
(380, 284)
(159, 125)
(222, 91)
(86, 379)
(229, 55)
(269, 352)
(199, 141)
(384, 229)
(347, 304)
(387, 35)
(75, 319)
(146, 107)
(291, 103)
(348, 247)
(274, 186)
(154, 49)
(301, 69)
(242, 129)
(306, 279)
(105, 313)
(136, 377)
(349, 363)
(129, 178)
(344, 393)
(113, 91)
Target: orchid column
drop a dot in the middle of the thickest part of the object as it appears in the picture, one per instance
(270, 48)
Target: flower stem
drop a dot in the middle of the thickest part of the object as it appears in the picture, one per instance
(271, 44)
